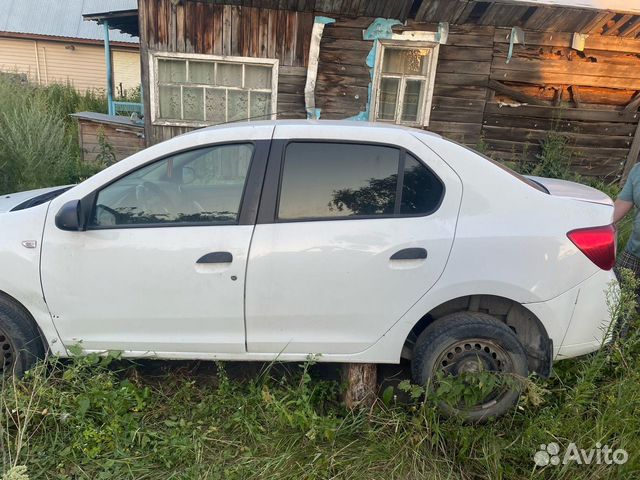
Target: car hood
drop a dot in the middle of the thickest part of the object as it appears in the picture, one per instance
(12, 200)
(573, 190)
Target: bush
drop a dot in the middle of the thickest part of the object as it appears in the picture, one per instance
(38, 140)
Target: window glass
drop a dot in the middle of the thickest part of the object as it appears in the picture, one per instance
(421, 190)
(199, 186)
(402, 88)
(328, 180)
(211, 91)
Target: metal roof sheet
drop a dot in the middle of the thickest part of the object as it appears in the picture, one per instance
(61, 18)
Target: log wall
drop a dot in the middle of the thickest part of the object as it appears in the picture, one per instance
(213, 29)
(478, 96)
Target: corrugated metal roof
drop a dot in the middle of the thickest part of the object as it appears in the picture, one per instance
(61, 18)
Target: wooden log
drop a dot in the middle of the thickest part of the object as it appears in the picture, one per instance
(361, 381)
(515, 94)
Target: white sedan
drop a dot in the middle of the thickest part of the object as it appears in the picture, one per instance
(351, 241)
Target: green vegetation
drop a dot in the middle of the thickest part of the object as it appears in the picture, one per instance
(99, 417)
(103, 418)
(38, 140)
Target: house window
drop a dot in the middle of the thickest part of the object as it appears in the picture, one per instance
(196, 90)
(404, 79)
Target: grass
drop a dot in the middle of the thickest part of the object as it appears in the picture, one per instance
(38, 140)
(100, 417)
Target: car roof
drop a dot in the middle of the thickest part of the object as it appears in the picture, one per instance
(312, 123)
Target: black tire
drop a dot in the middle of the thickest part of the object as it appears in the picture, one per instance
(454, 343)
(20, 342)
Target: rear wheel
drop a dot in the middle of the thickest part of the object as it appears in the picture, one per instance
(464, 344)
(20, 342)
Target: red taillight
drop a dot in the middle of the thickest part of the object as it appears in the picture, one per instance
(597, 243)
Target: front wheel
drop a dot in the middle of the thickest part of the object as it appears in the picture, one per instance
(20, 342)
(464, 344)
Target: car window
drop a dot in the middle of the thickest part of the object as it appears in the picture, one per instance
(329, 180)
(421, 189)
(334, 180)
(197, 186)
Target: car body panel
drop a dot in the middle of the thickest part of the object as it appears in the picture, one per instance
(12, 200)
(324, 287)
(141, 289)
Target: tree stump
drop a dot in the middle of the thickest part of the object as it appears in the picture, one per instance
(361, 380)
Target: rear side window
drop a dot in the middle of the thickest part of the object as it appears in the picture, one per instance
(339, 180)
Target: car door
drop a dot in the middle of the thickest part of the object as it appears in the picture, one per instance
(355, 225)
(160, 267)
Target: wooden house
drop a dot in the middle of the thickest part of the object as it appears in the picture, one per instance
(46, 41)
(503, 73)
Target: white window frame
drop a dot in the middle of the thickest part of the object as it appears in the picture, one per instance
(424, 107)
(154, 96)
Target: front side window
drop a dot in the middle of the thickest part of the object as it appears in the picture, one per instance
(404, 83)
(207, 89)
(193, 187)
(338, 180)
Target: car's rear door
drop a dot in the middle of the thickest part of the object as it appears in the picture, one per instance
(355, 225)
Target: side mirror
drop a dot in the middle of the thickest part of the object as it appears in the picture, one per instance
(70, 216)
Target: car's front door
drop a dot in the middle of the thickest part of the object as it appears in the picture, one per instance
(355, 225)
(160, 268)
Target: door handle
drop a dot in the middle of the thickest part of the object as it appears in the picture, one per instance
(216, 257)
(410, 254)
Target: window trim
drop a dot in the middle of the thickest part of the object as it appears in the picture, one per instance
(154, 96)
(424, 107)
(270, 199)
(249, 201)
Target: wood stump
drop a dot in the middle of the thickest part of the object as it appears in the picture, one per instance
(361, 380)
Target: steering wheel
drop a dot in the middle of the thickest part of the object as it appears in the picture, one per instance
(153, 199)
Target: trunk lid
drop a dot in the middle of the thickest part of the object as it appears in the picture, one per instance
(573, 190)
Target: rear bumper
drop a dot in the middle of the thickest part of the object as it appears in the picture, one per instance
(590, 325)
(578, 320)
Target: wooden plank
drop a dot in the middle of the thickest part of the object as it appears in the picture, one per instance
(463, 80)
(579, 68)
(564, 113)
(614, 29)
(563, 39)
(632, 156)
(631, 29)
(478, 54)
(543, 78)
(575, 139)
(227, 14)
(633, 105)
(460, 116)
(463, 68)
(455, 127)
(514, 93)
(473, 92)
(560, 125)
(469, 40)
(452, 103)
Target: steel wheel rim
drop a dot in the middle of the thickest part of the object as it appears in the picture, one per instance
(475, 355)
(7, 353)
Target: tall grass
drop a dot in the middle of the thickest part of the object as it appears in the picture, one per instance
(38, 140)
(98, 417)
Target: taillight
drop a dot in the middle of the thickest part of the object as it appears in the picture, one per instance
(597, 243)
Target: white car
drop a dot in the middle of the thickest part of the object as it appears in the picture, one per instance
(356, 242)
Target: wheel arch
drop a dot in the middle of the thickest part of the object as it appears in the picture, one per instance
(527, 326)
(33, 324)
